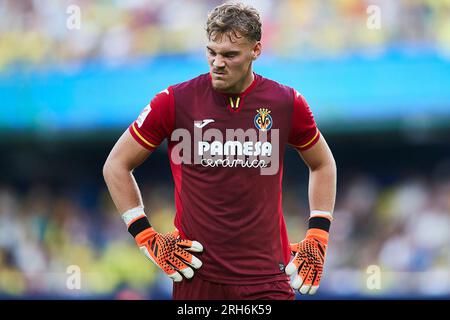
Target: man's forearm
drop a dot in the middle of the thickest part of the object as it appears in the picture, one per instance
(122, 186)
(322, 187)
(307, 265)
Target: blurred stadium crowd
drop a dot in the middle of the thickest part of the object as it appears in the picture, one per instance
(401, 227)
(34, 32)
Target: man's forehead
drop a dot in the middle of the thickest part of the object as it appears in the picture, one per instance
(228, 41)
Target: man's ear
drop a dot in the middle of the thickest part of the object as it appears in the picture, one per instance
(256, 50)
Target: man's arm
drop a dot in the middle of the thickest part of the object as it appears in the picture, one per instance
(167, 251)
(125, 156)
(309, 254)
(322, 176)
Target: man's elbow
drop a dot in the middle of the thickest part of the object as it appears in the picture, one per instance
(110, 169)
(332, 163)
(331, 166)
(327, 167)
(115, 168)
(107, 169)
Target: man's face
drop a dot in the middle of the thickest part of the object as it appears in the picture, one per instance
(230, 60)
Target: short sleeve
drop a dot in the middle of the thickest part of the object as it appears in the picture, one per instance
(304, 132)
(156, 121)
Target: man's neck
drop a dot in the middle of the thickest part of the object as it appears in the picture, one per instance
(242, 85)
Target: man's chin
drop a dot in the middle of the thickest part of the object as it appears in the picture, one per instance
(220, 85)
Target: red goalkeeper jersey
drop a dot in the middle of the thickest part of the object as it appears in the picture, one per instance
(226, 154)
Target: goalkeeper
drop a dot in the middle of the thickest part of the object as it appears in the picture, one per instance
(230, 239)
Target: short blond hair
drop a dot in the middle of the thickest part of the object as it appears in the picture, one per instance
(233, 18)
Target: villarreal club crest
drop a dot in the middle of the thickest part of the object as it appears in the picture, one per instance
(263, 120)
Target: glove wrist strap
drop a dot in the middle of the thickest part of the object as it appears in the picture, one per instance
(136, 221)
(319, 225)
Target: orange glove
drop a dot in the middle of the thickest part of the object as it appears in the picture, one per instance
(168, 251)
(309, 256)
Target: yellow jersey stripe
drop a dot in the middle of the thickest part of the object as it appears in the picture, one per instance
(310, 141)
(231, 103)
(143, 139)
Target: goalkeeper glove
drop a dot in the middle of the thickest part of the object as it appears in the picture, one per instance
(309, 255)
(168, 251)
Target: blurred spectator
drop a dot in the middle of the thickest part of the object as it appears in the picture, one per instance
(402, 228)
(35, 32)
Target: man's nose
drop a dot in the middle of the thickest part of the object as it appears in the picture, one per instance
(218, 62)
